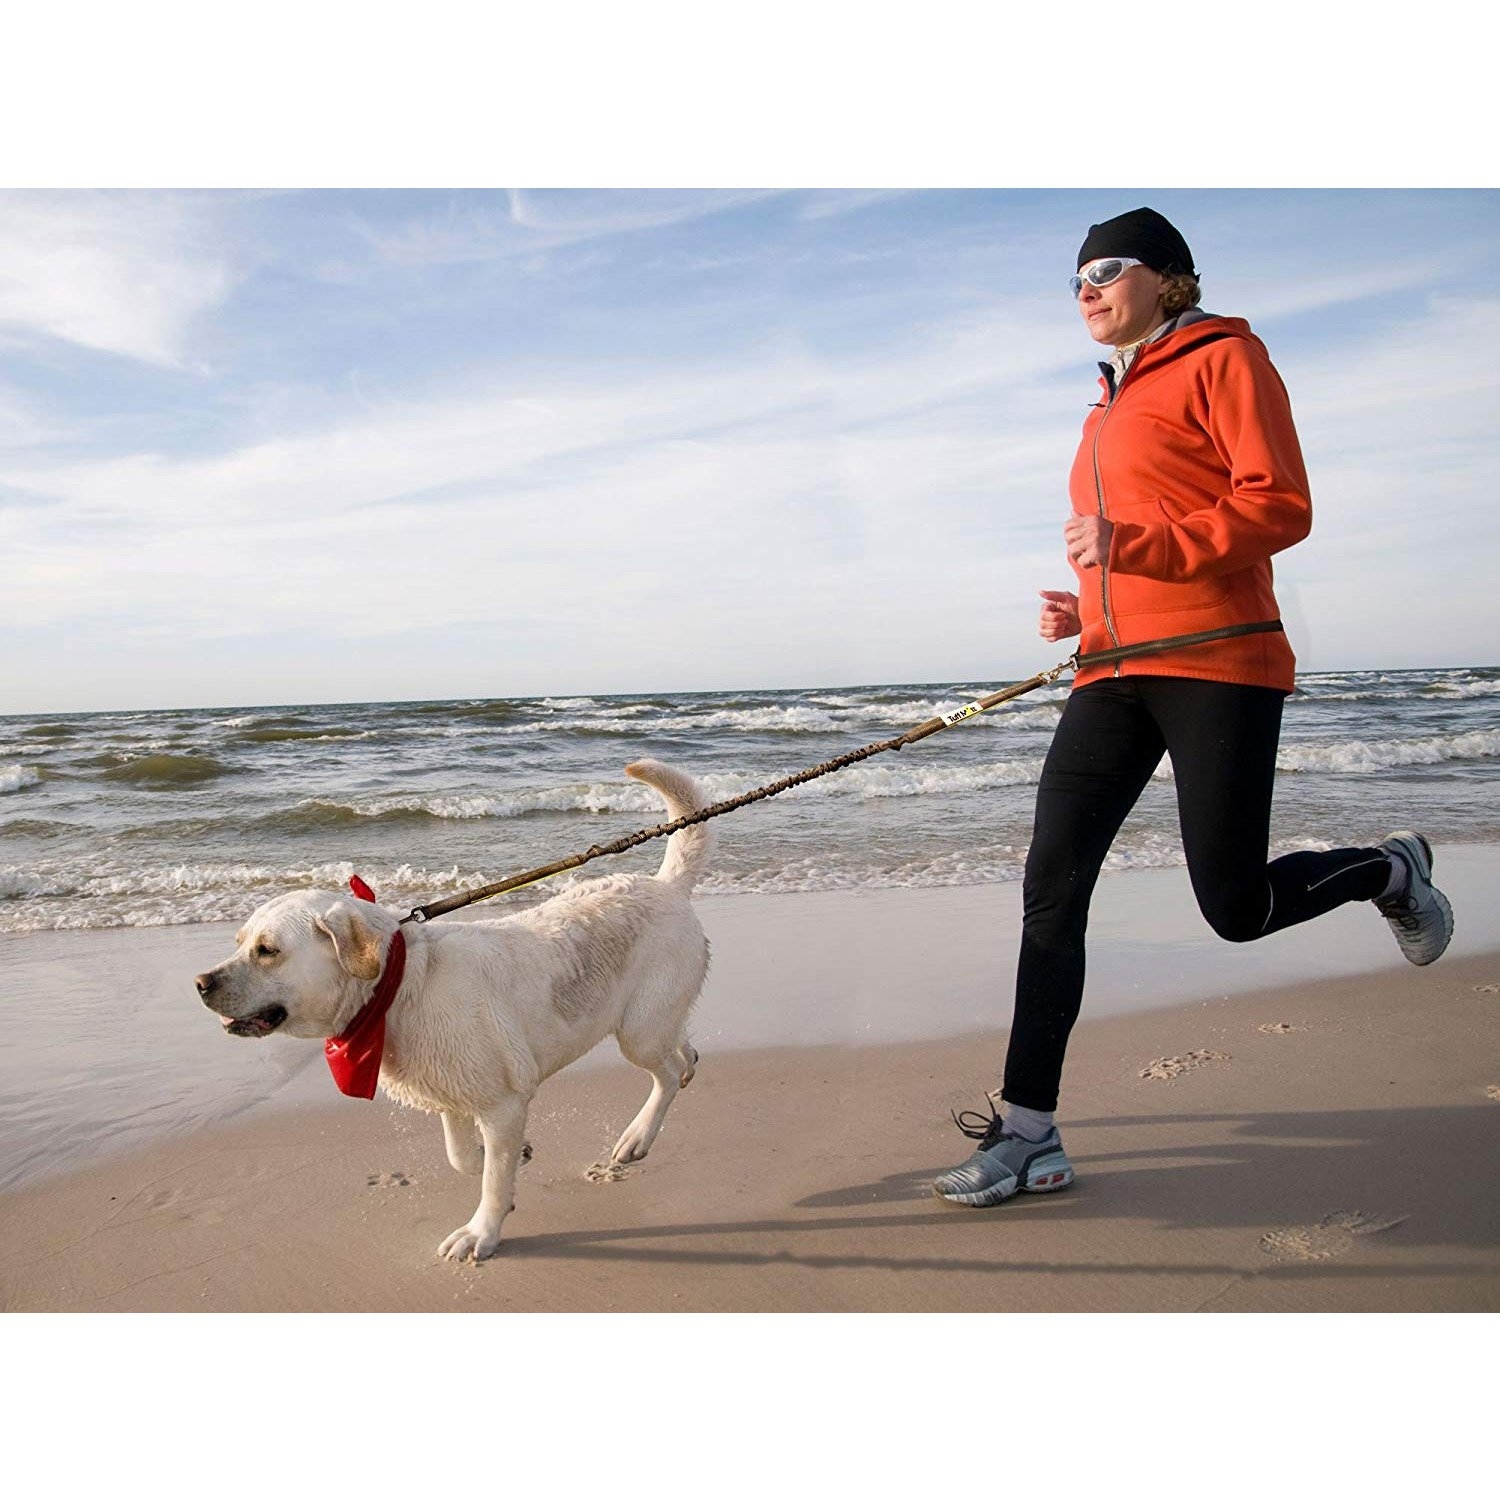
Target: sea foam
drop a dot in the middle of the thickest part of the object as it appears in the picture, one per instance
(18, 778)
(1366, 757)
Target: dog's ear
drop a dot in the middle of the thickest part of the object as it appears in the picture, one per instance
(357, 946)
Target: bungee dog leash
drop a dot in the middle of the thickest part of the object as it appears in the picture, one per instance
(1075, 663)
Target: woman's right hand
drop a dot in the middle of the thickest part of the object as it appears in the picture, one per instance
(1059, 615)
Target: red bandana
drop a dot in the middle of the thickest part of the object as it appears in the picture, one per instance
(354, 1054)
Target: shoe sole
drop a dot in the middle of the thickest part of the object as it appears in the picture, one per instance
(1041, 1178)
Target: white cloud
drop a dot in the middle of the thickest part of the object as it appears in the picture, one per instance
(751, 494)
(831, 205)
(1398, 429)
(21, 425)
(467, 230)
(1285, 290)
(124, 273)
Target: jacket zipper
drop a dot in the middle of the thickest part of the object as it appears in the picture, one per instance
(1109, 623)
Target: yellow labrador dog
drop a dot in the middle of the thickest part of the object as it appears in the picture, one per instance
(485, 1011)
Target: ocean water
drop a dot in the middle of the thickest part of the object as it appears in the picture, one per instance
(153, 818)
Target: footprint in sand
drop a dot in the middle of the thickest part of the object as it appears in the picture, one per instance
(1174, 1067)
(1331, 1236)
(1487, 989)
(1276, 1028)
(387, 1179)
(606, 1171)
(1492, 1091)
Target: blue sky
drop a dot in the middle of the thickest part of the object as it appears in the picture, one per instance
(267, 447)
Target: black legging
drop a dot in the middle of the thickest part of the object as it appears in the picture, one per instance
(1222, 738)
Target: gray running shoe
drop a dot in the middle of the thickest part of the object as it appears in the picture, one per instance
(1004, 1165)
(1420, 916)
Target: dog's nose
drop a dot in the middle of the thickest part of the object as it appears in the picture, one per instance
(205, 983)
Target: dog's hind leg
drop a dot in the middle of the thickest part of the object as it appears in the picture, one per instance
(503, 1129)
(465, 1153)
(666, 1080)
(653, 1035)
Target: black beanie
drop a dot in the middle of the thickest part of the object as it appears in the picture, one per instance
(1143, 235)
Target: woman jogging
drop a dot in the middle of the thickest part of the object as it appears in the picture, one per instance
(1188, 478)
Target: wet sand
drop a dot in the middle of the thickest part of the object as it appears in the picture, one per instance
(1318, 1146)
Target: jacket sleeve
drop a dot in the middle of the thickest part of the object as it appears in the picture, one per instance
(1244, 408)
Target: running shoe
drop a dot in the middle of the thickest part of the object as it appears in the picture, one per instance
(1004, 1165)
(1420, 915)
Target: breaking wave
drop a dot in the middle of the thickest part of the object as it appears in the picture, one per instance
(18, 778)
(263, 736)
(1365, 757)
(862, 783)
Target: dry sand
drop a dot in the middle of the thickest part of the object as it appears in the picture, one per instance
(1323, 1146)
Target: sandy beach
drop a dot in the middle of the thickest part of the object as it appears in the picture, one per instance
(1313, 1143)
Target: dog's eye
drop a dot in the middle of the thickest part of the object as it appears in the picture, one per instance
(265, 950)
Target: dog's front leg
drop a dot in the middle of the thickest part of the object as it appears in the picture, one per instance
(465, 1153)
(503, 1129)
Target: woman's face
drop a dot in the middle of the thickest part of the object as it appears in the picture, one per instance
(1125, 310)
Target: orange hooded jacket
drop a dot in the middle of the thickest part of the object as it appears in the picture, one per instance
(1195, 460)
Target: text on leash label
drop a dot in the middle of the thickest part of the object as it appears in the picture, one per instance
(960, 714)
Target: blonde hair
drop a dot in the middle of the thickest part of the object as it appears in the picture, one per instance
(1179, 293)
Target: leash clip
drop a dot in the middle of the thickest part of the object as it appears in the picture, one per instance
(417, 914)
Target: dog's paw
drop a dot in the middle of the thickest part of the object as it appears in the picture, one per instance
(468, 1243)
(629, 1148)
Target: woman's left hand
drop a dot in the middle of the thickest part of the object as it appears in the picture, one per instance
(1088, 540)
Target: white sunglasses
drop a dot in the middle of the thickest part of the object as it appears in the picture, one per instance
(1103, 272)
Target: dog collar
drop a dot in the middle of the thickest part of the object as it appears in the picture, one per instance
(354, 1054)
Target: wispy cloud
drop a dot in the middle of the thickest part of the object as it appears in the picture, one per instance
(1286, 290)
(488, 509)
(122, 273)
(22, 425)
(451, 230)
(816, 205)
(567, 216)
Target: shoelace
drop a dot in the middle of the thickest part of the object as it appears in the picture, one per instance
(1404, 910)
(987, 1129)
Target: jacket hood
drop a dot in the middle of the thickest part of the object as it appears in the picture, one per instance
(1190, 329)
(1192, 332)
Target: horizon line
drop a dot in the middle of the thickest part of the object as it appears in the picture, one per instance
(634, 694)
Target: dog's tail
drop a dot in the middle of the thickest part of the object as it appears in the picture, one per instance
(686, 859)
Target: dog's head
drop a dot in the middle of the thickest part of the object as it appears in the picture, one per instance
(303, 966)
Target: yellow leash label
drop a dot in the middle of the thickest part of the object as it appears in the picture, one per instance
(960, 714)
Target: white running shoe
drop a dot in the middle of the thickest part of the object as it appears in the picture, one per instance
(1420, 915)
(1004, 1165)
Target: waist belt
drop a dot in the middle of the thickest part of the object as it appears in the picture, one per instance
(1171, 643)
